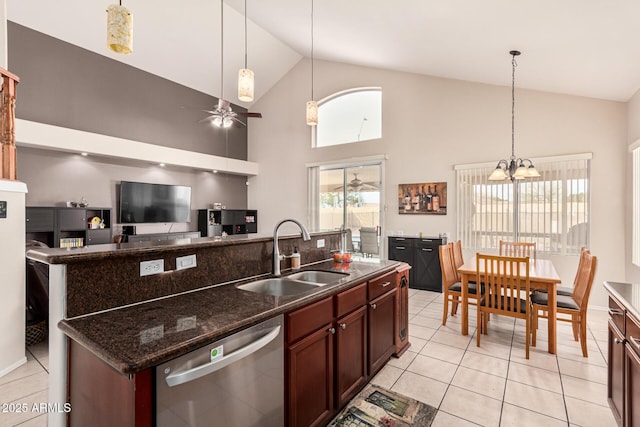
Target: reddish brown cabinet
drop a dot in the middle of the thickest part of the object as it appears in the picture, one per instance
(351, 355)
(632, 371)
(382, 313)
(615, 385)
(402, 310)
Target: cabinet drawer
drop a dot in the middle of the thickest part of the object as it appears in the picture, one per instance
(307, 319)
(351, 299)
(616, 312)
(428, 243)
(382, 284)
(632, 327)
(401, 241)
(39, 219)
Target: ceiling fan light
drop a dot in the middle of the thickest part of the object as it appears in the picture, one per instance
(245, 85)
(217, 121)
(312, 113)
(119, 29)
(227, 122)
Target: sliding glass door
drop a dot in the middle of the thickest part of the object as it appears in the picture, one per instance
(351, 196)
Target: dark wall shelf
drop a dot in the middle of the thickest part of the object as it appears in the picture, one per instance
(67, 227)
(213, 222)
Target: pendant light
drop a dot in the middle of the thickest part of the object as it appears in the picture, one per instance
(312, 106)
(514, 168)
(245, 75)
(119, 29)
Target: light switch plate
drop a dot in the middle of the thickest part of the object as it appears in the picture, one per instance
(147, 268)
(188, 261)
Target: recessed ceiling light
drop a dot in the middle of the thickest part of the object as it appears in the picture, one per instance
(161, 165)
(214, 171)
(84, 154)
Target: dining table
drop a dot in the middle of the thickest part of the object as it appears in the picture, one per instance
(542, 275)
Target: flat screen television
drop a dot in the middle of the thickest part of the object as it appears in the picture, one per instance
(147, 203)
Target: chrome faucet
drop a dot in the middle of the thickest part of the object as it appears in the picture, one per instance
(276, 252)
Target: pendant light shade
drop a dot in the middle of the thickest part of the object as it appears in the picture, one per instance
(245, 85)
(312, 113)
(245, 75)
(119, 29)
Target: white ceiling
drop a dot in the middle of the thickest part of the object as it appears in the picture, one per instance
(581, 47)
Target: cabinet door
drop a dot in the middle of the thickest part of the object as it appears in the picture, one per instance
(402, 313)
(39, 219)
(381, 317)
(351, 354)
(427, 269)
(72, 219)
(99, 236)
(632, 387)
(615, 372)
(310, 379)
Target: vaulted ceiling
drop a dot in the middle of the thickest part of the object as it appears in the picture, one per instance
(581, 47)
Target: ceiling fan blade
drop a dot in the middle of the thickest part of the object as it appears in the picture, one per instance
(248, 114)
(237, 120)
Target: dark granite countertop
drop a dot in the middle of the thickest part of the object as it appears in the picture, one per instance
(134, 338)
(624, 293)
(99, 252)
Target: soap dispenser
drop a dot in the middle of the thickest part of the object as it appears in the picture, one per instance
(295, 259)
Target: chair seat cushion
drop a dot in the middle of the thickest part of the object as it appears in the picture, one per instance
(473, 287)
(560, 290)
(562, 301)
(522, 308)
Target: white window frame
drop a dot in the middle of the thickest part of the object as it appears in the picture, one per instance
(500, 202)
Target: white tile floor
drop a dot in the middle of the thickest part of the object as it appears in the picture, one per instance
(494, 385)
(490, 385)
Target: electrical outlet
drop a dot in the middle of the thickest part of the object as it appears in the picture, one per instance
(188, 261)
(320, 243)
(151, 334)
(147, 268)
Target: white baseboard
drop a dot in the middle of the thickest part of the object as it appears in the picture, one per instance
(13, 366)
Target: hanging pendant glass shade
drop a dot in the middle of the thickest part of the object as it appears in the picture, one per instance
(119, 29)
(312, 113)
(245, 85)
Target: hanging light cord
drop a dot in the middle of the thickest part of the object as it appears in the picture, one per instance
(514, 64)
(221, 48)
(245, 34)
(312, 50)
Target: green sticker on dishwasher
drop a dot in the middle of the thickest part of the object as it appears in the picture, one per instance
(217, 353)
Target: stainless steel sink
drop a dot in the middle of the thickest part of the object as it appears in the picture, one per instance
(317, 276)
(278, 287)
(293, 284)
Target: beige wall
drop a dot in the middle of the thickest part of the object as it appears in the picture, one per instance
(3, 34)
(429, 125)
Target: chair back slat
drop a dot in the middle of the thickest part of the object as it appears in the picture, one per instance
(518, 249)
(449, 275)
(457, 258)
(584, 278)
(506, 281)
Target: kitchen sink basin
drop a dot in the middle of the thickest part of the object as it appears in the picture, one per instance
(278, 287)
(318, 277)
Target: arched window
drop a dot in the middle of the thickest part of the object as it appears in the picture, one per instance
(349, 116)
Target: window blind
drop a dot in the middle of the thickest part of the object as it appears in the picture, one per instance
(552, 210)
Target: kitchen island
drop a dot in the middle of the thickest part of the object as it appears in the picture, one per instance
(118, 320)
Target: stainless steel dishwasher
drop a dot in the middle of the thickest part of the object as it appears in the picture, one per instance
(237, 381)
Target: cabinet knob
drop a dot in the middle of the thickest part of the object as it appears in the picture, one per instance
(332, 331)
(27, 219)
(374, 306)
(618, 341)
(343, 325)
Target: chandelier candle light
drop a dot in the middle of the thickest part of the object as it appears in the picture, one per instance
(514, 168)
(245, 75)
(119, 29)
(312, 106)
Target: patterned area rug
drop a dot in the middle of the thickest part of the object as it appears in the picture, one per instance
(376, 406)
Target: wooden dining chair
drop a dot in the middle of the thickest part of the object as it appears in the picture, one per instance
(568, 290)
(518, 249)
(458, 259)
(506, 282)
(451, 285)
(574, 306)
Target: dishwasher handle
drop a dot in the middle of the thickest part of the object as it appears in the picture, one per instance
(208, 368)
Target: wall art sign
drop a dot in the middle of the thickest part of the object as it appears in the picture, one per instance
(423, 198)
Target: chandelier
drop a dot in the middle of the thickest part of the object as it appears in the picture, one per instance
(514, 168)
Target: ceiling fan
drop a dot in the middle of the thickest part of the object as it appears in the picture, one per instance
(357, 184)
(223, 116)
